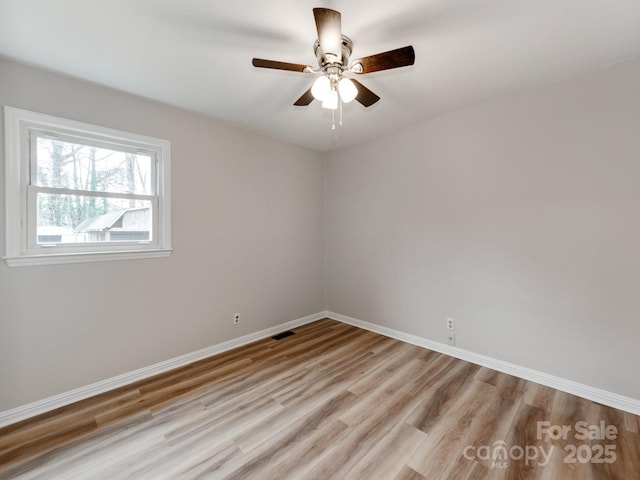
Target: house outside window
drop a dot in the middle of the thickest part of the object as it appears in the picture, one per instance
(77, 192)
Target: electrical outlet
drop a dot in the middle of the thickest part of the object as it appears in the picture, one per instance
(450, 325)
(451, 338)
(236, 318)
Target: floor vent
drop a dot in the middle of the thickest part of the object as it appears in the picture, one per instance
(282, 335)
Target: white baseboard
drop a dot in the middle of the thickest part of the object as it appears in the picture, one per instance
(585, 391)
(604, 397)
(51, 403)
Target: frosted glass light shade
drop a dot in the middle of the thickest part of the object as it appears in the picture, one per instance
(348, 90)
(331, 100)
(321, 88)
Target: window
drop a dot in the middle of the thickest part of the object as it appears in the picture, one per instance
(77, 192)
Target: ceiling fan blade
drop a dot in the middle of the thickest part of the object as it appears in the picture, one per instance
(305, 99)
(328, 24)
(365, 96)
(294, 67)
(400, 57)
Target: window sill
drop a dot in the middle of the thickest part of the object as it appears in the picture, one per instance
(57, 259)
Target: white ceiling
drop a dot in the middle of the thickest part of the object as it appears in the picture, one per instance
(197, 54)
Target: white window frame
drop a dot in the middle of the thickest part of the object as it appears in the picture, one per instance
(20, 223)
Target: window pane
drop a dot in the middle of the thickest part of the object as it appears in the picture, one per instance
(87, 219)
(63, 164)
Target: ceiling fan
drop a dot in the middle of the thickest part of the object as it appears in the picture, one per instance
(332, 50)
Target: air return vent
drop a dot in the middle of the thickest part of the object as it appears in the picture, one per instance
(282, 335)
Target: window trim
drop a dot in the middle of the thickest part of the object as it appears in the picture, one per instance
(18, 125)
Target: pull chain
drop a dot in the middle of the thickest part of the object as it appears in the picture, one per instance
(333, 119)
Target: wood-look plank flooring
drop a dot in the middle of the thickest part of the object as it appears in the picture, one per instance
(330, 402)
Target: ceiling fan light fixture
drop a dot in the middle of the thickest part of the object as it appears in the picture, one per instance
(321, 88)
(330, 101)
(347, 89)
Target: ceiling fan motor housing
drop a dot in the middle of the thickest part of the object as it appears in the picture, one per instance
(346, 48)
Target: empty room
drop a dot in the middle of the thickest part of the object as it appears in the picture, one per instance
(330, 240)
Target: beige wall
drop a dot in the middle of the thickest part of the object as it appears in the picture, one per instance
(519, 218)
(248, 223)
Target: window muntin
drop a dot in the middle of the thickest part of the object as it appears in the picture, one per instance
(77, 192)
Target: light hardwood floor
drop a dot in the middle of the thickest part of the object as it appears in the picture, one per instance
(330, 402)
